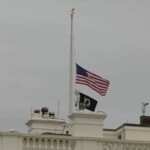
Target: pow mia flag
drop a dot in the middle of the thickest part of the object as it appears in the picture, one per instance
(87, 102)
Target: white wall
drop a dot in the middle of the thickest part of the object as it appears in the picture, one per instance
(109, 134)
(10, 141)
(129, 133)
(137, 133)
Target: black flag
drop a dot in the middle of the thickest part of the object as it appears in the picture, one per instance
(88, 102)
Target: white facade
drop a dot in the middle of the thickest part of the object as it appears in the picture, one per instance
(38, 126)
(129, 132)
(87, 124)
(85, 132)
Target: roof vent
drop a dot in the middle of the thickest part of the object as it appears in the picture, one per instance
(13, 130)
(37, 111)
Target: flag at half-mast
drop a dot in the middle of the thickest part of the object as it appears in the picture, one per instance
(92, 80)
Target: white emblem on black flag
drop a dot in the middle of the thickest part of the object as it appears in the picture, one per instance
(87, 102)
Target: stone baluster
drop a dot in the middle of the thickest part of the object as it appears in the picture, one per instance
(36, 142)
(43, 144)
(33, 147)
(24, 144)
(54, 144)
(66, 145)
(40, 144)
(63, 145)
(48, 144)
(27, 146)
(57, 145)
(60, 144)
(30, 143)
(114, 146)
(72, 145)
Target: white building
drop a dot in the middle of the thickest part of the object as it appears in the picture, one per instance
(84, 132)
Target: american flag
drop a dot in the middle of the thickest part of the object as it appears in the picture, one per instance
(92, 80)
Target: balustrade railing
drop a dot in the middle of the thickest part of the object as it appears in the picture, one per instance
(124, 145)
(68, 143)
(47, 143)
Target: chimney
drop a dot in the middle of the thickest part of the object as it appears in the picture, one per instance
(145, 121)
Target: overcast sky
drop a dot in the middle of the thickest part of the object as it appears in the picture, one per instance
(111, 39)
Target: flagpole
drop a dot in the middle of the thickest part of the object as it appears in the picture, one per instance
(71, 65)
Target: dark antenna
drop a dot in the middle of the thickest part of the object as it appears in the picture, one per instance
(144, 104)
(31, 111)
(58, 109)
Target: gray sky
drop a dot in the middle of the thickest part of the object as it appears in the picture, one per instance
(112, 39)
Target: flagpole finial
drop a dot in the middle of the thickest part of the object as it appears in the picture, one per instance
(72, 12)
